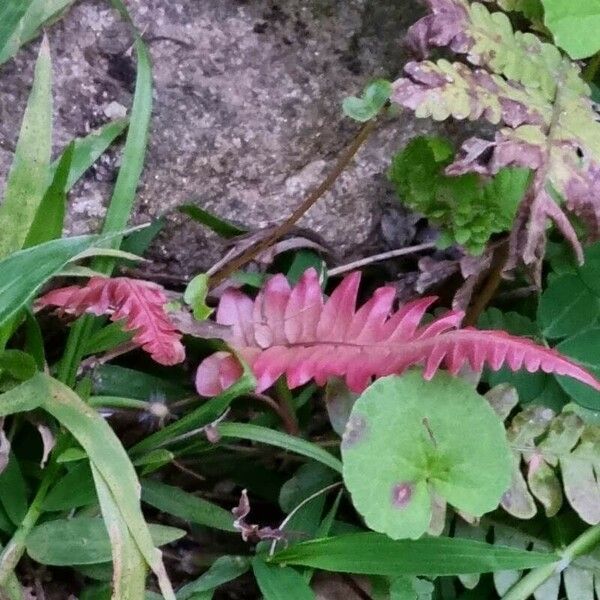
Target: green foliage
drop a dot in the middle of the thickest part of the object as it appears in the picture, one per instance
(185, 506)
(574, 25)
(280, 582)
(370, 104)
(82, 541)
(411, 588)
(24, 272)
(28, 177)
(402, 453)
(533, 94)
(377, 554)
(195, 297)
(23, 20)
(467, 208)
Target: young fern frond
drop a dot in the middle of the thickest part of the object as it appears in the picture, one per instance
(297, 332)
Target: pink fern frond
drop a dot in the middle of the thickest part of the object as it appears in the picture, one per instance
(139, 304)
(297, 332)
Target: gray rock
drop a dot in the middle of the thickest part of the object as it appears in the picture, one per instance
(247, 113)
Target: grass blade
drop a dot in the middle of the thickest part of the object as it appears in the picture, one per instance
(23, 273)
(49, 219)
(220, 226)
(37, 14)
(198, 418)
(121, 204)
(223, 570)
(280, 583)
(109, 458)
(89, 149)
(132, 162)
(129, 567)
(185, 506)
(11, 13)
(28, 177)
(377, 554)
(256, 433)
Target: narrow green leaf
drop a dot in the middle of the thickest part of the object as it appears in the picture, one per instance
(73, 490)
(34, 341)
(111, 380)
(83, 541)
(28, 176)
(11, 12)
(108, 456)
(17, 364)
(13, 493)
(377, 554)
(129, 567)
(185, 506)
(199, 417)
(50, 216)
(280, 583)
(107, 338)
(220, 226)
(23, 273)
(38, 14)
(255, 433)
(223, 570)
(134, 152)
(87, 150)
(104, 451)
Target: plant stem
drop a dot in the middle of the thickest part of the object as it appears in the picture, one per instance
(378, 258)
(12, 553)
(589, 73)
(117, 402)
(288, 408)
(289, 223)
(491, 286)
(586, 542)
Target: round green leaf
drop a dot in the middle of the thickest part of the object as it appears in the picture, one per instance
(585, 349)
(574, 25)
(408, 439)
(567, 306)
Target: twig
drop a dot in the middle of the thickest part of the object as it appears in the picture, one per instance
(289, 223)
(289, 422)
(187, 471)
(491, 285)
(378, 258)
(298, 507)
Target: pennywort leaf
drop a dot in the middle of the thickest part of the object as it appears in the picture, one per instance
(574, 25)
(402, 449)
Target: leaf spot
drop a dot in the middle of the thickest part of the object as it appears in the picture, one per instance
(401, 494)
(355, 430)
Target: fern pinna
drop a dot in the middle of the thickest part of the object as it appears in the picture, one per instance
(298, 332)
(537, 95)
